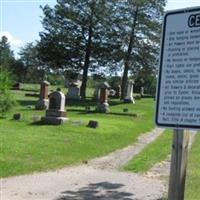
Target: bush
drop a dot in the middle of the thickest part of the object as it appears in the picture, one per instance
(6, 99)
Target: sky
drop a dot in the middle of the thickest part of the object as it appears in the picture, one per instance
(20, 20)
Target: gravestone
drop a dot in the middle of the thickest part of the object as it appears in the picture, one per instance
(16, 86)
(103, 105)
(129, 93)
(142, 91)
(56, 112)
(43, 102)
(74, 90)
(93, 124)
(17, 116)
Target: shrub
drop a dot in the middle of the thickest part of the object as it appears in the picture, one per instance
(6, 99)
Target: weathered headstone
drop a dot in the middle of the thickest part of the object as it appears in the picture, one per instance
(74, 90)
(56, 113)
(103, 105)
(129, 93)
(43, 102)
(142, 91)
(16, 86)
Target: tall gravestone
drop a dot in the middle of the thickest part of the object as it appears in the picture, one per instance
(129, 93)
(43, 102)
(142, 91)
(56, 113)
(102, 105)
(74, 90)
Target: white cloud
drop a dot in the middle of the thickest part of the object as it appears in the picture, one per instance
(13, 41)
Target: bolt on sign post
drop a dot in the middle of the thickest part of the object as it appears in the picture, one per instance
(178, 90)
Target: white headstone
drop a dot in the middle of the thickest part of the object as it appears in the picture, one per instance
(129, 93)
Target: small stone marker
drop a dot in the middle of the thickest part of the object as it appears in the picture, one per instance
(17, 116)
(125, 110)
(129, 93)
(56, 113)
(43, 102)
(16, 86)
(93, 124)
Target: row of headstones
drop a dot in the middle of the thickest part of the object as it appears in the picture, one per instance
(54, 103)
(99, 93)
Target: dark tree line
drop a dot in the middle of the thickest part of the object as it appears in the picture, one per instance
(97, 36)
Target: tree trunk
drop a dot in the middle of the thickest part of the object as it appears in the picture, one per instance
(128, 55)
(87, 62)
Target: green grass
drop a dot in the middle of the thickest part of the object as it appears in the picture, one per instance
(153, 153)
(193, 172)
(26, 147)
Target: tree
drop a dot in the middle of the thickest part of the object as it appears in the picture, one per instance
(78, 36)
(6, 55)
(139, 22)
(33, 68)
(6, 99)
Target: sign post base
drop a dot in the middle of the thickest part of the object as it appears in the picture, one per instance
(178, 164)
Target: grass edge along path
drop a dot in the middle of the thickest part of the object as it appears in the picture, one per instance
(153, 153)
(192, 191)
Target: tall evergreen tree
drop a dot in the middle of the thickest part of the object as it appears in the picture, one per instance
(139, 24)
(78, 35)
(34, 69)
(6, 54)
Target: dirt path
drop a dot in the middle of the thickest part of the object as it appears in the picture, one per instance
(97, 180)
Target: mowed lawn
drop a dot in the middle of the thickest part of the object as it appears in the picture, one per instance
(27, 147)
(193, 172)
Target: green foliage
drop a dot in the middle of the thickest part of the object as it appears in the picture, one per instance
(145, 78)
(6, 99)
(6, 55)
(55, 79)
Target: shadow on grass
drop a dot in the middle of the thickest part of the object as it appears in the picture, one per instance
(89, 102)
(26, 102)
(98, 191)
(83, 112)
(29, 90)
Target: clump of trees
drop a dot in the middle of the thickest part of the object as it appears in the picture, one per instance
(95, 37)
